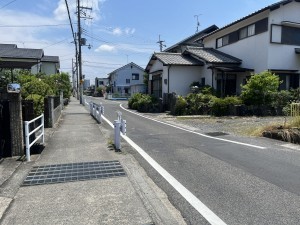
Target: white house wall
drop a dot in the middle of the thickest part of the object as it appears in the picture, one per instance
(180, 78)
(283, 56)
(157, 65)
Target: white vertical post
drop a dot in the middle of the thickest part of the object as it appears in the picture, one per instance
(43, 128)
(27, 141)
(123, 127)
(117, 125)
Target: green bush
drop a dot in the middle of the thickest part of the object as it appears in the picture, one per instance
(36, 87)
(198, 104)
(260, 88)
(143, 103)
(180, 106)
(281, 99)
(134, 99)
(220, 106)
(38, 103)
(207, 90)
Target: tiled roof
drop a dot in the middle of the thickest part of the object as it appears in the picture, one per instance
(21, 53)
(7, 46)
(48, 58)
(193, 38)
(176, 59)
(211, 55)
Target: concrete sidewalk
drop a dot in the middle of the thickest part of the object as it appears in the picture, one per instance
(130, 199)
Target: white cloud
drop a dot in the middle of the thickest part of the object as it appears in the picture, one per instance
(129, 31)
(61, 13)
(106, 48)
(117, 31)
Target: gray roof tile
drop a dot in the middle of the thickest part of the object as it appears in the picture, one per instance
(21, 53)
(176, 59)
(211, 55)
(48, 58)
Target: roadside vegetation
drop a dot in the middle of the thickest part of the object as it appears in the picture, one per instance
(260, 96)
(36, 87)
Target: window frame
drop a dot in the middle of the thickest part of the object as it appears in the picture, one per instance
(135, 76)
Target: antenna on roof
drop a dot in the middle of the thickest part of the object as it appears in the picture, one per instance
(160, 42)
(198, 23)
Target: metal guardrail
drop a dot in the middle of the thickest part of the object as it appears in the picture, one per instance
(28, 133)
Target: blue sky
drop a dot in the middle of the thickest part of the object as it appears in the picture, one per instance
(120, 31)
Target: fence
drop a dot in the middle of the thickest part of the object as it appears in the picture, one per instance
(295, 109)
(28, 133)
(53, 108)
(96, 111)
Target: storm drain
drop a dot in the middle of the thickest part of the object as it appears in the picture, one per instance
(61, 173)
(216, 134)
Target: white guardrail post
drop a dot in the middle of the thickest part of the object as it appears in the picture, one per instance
(117, 125)
(28, 133)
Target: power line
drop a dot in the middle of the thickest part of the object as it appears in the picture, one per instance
(42, 25)
(8, 4)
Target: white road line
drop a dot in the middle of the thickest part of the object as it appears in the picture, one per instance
(209, 215)
(200, 134)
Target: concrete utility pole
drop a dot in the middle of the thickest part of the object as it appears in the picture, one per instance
(160, 42)
(79, 49)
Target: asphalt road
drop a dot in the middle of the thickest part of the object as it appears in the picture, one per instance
(242, 184)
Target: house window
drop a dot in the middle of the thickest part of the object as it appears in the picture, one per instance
(251, 30)
(223, 41)
(135, 76)
(100, 83)
(243, 33)
(290, 35)
(127, 81)
(219, 43)
(248, 31)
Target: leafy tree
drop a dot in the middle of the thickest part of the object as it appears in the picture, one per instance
(59, 82)
(260, 88)
(37, 87)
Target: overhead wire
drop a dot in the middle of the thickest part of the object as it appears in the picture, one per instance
(8, 4)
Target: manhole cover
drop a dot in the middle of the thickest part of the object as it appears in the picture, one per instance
(61, 173)
(216, 134)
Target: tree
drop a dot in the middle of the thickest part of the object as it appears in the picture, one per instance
(260, 88)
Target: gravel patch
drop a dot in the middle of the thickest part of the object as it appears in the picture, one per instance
(240, 126)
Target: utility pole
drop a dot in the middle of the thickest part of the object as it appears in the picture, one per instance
(79, 52)
(198, 23)
(160, 42)
(79, 49)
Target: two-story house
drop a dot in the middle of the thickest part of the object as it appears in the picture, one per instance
(127, 80)
(268, 39)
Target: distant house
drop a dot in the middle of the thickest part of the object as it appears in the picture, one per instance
(48, 65)
(13, 57)
(268, 39)
(34, 60)
(172, 72)
(101, 82)
(127, 80)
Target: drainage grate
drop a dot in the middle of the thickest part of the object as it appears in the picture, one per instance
(71, 172)
(216, 134)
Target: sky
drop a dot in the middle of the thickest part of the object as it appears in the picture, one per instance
(117, 31)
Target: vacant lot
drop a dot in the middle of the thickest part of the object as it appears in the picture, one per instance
(245, 126)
